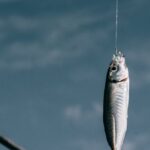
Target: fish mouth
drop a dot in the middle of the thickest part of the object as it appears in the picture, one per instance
(118, 58)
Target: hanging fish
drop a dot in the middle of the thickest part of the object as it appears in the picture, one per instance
(116, 98)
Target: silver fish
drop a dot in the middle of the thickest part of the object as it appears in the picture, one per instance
(116, 99)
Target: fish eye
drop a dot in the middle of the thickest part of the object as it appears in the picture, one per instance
(114, 68)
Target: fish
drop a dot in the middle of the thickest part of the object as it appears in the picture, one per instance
(116, 101)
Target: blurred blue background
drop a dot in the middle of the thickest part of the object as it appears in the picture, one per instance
(54, 56)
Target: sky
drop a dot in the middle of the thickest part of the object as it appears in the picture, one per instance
(54, 56)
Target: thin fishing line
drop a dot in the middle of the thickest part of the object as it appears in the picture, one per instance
(116, 30)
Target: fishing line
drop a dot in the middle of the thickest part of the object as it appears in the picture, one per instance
(116, 29)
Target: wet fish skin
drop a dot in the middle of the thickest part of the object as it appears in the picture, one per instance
(116, 99)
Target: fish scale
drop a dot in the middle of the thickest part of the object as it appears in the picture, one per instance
(119, 110)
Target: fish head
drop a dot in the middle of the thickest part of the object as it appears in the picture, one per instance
(118, 70)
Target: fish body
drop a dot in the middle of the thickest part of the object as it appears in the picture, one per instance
(116, 99)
